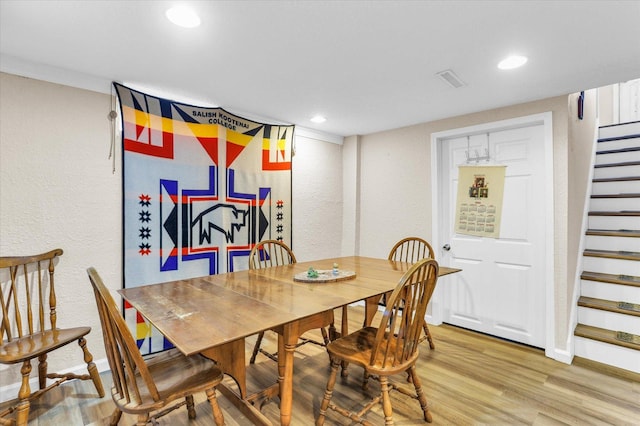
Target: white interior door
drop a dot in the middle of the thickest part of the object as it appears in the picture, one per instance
(502, 287)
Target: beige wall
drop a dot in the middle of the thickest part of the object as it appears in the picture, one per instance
(57, 189)
(395, 190)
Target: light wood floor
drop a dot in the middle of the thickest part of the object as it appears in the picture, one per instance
(469, 379)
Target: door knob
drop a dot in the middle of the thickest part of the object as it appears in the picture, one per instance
(447, 247)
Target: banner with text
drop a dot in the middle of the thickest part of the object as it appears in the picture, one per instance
(201, 187)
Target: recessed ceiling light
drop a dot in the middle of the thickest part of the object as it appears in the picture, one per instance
(183, 16)
(512, 62)
(318, 119)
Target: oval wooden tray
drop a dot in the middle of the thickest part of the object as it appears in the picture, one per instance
(325, 276)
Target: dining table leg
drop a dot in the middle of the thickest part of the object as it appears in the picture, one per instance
(288, 335)
(286, 347)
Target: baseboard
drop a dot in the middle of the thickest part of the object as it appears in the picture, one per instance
(563, 356)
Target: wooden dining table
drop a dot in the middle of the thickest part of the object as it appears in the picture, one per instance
(212, 315)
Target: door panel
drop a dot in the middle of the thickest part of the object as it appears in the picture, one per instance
(500, 290)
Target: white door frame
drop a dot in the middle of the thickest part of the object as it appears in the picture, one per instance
(437, 235)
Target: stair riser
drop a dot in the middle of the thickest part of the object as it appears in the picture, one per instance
(618, 144)
(596, 242)
(617, 356)
(617, 187)
(613, 222)
(618, 157)
(609, 291)
(615, 204)
(620, 130)
(611, 266)
(609, 320)
(616, 172)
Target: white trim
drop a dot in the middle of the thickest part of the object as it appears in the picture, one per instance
(317, 135)
(573, 314)
(437, 140)
(17, 66)
(10, 392)
(562, 356)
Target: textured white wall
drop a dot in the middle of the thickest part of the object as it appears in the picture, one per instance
(317, 199)
(57, 189)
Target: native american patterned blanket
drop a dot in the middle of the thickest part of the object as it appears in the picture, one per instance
(200, 187)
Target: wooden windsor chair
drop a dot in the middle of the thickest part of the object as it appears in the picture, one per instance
(29, 328)
(389, 349)
(412, 249)
(149, 388)
(266, 254)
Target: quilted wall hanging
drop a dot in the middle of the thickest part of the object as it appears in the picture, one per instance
(201, 187)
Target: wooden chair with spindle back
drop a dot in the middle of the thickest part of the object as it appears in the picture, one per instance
(149, 388)
(412, 249)
(29, 328)
(389, 349)
(266, 254)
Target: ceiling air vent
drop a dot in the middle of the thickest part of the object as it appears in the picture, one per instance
(451, 79)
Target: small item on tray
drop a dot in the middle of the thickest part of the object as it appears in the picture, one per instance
(312, 273)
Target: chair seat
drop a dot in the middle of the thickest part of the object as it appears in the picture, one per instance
(357, 347)
(175, 376)
(36, 344)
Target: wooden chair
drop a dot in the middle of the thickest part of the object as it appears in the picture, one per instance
(389, 349)
(269, 253)
(144, 387)
(29, 328)
(412, 249)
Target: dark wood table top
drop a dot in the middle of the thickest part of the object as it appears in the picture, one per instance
(200, 313)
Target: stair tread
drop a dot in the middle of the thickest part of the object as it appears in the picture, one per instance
(621, 164)
(620, 195)
(619, 138)
(615, 213)
(617, 179)
(619, 307)
(607, 336)
(613, 254)
(619, 150)
(611, 278)
(615, 232)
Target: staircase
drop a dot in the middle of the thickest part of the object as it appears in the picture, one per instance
(608, 329)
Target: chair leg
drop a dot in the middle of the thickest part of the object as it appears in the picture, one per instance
(42, 371)
(365, 379)
(217, 413)
(115, 417)
(91, 367)
(191, 410)
(256, 348)
(417, 384)
(335, 363)
(143, 419)
(428, 334)
(22, 410)
(386, 401)
(325, 335)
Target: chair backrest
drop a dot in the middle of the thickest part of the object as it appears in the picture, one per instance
(396, 341)
(411, 249)
(122, 353)
(270, 253)
(27, 294)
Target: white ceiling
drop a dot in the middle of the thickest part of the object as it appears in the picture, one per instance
(366, 65)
